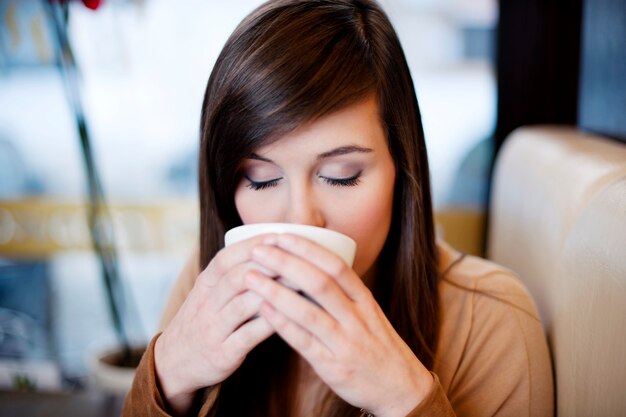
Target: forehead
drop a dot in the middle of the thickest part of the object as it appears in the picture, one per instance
(358, 125)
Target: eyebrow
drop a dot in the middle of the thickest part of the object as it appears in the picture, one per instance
(260, 158)
(343, 150)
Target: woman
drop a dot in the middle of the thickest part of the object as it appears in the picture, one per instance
(310, 117)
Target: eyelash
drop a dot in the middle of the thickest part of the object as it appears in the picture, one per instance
(343, 182)
(256, 186)
(335, 182)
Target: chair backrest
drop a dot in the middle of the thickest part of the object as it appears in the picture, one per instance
(558, 218)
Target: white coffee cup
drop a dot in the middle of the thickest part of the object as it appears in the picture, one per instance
(335, 242)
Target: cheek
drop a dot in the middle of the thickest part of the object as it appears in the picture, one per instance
(253, 207)
(368, 222)
(242, 203)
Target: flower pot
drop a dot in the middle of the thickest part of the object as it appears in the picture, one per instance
(112, 376)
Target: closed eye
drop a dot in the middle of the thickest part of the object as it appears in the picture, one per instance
(343, 182)
(262, 185)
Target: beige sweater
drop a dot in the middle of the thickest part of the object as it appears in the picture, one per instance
(492, 358)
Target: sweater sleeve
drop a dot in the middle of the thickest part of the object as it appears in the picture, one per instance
(145, 398)
(435, 404)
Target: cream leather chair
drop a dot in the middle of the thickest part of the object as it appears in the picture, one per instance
(558, 218)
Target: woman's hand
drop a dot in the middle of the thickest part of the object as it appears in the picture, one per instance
(345, 337)
(214, 329)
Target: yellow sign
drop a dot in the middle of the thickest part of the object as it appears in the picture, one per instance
(40, 227)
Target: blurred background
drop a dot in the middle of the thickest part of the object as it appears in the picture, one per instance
(143, 66)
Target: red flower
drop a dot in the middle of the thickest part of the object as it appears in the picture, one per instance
(92, 4)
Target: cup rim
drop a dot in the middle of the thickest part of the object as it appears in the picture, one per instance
(279, 228)
(246, 231)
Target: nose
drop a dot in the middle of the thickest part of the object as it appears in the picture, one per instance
(305, 208)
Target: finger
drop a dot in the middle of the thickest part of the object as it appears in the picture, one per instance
(325, 260)
(230, 256)
(301, 340)
(229, 286)
(296, 309)
(303, 275)
(239, 310)
(246, 337)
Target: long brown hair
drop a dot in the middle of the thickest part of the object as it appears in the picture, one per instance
(288, 63)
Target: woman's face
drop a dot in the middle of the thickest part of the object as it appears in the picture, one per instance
(335, 172)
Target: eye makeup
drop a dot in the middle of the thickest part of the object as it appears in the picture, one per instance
(342, 182)
(262, 185)
(262, 174)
